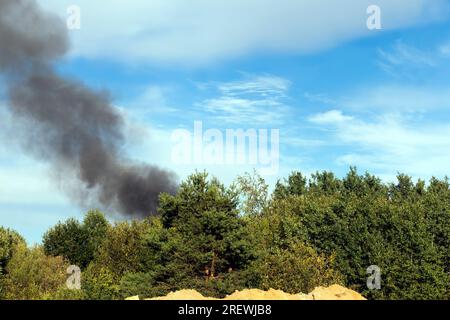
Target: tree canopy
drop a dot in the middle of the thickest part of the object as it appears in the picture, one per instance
(308, 232)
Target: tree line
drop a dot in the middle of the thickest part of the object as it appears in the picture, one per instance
(308, 232)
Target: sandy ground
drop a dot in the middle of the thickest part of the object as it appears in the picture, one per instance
(334, 292)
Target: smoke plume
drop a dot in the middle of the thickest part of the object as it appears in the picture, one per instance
(73, 128)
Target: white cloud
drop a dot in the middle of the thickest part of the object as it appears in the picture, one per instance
(266, 86)
(403, 54)
(399, 98)
(391, 143)
(403, 60)
(254, 100)
(203, 31)
(330, 117)
(152, 100)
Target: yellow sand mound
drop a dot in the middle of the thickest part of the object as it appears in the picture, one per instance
(271, 294)
(183, 295)
(334, 292)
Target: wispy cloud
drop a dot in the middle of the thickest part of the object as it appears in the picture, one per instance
(152, 100)
(399, 98)
(403, 54)
(395, 146)
(204, 31)
(390, 143)
(330, 117)
(388, 97)
(264, 86)
(403, 60)
(254, 100)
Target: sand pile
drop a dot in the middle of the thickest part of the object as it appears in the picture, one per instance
(184, 295)
(256, 294)
(334, 292)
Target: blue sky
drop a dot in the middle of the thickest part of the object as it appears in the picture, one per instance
(340, 94)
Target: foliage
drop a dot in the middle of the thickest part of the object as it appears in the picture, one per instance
(99, 283)
(77, 242)
(205, 216)
(9, 239)
(64, 293)
(141, 284)
(122, 250)
(254, 193)
(33, 275)
(295, 185)
(217, 239)
(364, 222)
(295, 269)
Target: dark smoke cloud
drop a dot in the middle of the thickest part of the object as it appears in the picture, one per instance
(29, 35)
(65, 123)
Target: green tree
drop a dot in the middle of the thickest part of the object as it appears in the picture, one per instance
(68, 240)
(100, 283)
(9, 239)
(295, 269)
(140, 284)
(95, 227)
(122, 250)
(285, 259)
(253, 192)
(31, 275)
(325, 183)
(77, 242)
(295, 185)
(437, 207)
(363, 222)
(206, 230)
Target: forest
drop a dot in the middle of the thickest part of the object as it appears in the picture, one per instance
(309, 231)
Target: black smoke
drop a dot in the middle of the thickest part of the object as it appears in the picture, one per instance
(65, 123)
